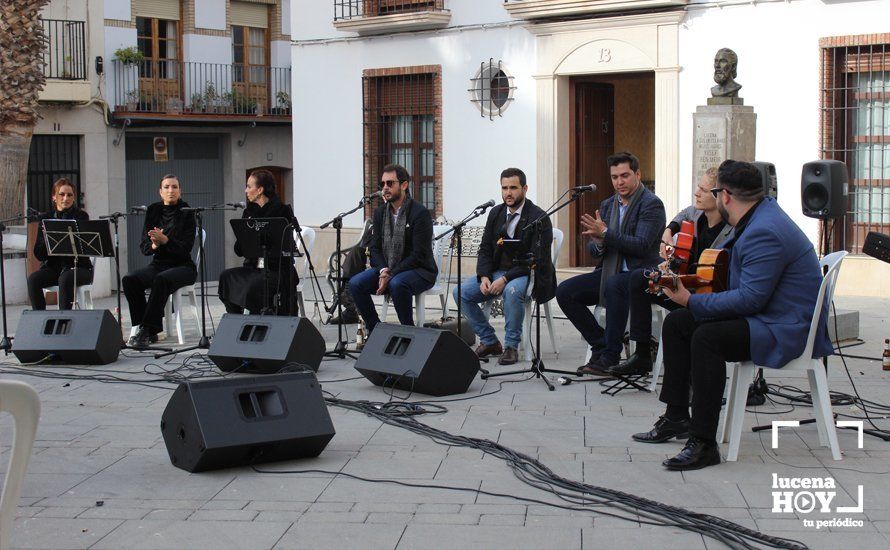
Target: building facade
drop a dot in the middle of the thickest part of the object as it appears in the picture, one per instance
(457, 90)
(138, 89)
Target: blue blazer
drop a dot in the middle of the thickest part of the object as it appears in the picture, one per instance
(774, 280)
(638, 243)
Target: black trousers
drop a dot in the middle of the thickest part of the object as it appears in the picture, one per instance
(695, 353)
(255, 289)
(640, 306)
(47, 276)
(575, 295)
(163, 281)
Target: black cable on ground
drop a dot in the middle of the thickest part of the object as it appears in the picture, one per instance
(536, 474)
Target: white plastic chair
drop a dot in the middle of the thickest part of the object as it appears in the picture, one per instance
(308, 235)
(174, 306)
(740, 375)
(558, 237)
(21, 401)
(84, 292)
(438, 289)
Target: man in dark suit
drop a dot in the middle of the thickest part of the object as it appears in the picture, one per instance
(625, 232)
(498, 274)
(764, 315)
(401, 249)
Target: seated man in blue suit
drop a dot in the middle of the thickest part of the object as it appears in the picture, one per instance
(764, 316)
(625, 233)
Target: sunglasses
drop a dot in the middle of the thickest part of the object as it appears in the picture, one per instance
(715, 191)
(388, 183)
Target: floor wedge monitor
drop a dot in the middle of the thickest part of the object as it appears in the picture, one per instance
(264, 344)
(75, 337)
(419, 360)
(223, 423)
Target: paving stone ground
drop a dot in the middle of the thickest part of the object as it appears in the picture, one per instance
(101, 443)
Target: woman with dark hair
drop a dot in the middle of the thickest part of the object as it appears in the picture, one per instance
(58, 270)
(250, 287)
(168, 235)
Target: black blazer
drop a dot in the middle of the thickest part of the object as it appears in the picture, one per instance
(418, 252)
(272, 209)
(59, 263)
(178, 250)
(490, 253)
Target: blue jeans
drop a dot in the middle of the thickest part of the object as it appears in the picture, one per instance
(575, 295)
(514, 309)
(401, 289)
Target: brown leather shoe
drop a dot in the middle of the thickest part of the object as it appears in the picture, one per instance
(484, 350)
(509, 357)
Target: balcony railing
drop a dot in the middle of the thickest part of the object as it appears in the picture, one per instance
(65, 56)
(352, 9)
(192, 89)
(543, 9)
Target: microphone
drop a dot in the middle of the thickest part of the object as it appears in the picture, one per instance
(374, 195)
(584, 188)
(135, 209)
(241, 204)
(32, 213)
(485, 206)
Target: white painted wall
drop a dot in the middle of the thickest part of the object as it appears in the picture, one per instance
(327, 101)
(779, 60)
(117, 9)
(207, 49)
(210, 14)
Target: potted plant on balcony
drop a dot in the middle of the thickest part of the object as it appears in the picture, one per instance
(129, 58)
(283, 108)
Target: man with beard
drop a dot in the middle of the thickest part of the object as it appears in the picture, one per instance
(626, 237)
(401, 249)
(711, 231)
(497, 274)
(764, 316)
(725, 65)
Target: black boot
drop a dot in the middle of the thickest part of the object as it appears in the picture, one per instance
(697, 454)
(637, 364)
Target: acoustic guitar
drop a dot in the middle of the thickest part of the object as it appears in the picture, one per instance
(711, 275)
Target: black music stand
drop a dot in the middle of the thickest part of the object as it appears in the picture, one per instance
(266, 238)
(75, 238)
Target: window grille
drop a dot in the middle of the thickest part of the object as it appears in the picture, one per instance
(856, 130)
(51, 158)
(492, 89)
(352, 9)
(400, 126)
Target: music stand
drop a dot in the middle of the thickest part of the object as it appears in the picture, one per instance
(74, 238)
(265, 238)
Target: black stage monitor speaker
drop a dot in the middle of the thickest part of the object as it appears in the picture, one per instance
(223, 423)
(421, 360)
(264, 344)
(768, 173)
(823, 189)
(77, 336)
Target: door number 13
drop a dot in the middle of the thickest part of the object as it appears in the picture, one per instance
(605, 55)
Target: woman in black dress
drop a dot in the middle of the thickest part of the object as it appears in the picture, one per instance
(58, 270)
(249, 287)
(168, 235)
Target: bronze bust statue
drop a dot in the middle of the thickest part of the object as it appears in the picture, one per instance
(725, 64)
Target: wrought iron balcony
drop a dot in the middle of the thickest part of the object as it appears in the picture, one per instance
(192, 90)
(381, 16)
(542, 9)
(65, 56)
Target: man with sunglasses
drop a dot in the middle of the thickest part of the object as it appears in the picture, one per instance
(402, 263)
(764, 316)
(711, 231)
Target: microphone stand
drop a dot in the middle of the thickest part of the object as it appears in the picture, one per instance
(6, 343)
(340, 349)
(537, 368)
(115, 217)
(457, 229)
(204, 342)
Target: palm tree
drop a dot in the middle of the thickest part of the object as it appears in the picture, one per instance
(22, 42)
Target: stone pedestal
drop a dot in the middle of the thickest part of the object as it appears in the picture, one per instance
(722, 132)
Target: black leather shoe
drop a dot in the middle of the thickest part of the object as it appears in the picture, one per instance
(349, 318)
(695, 455)
(638, 364)
(142, 339)
(597, 367)
(665, 429)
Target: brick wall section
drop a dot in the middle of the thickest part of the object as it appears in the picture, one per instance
(371, 138)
